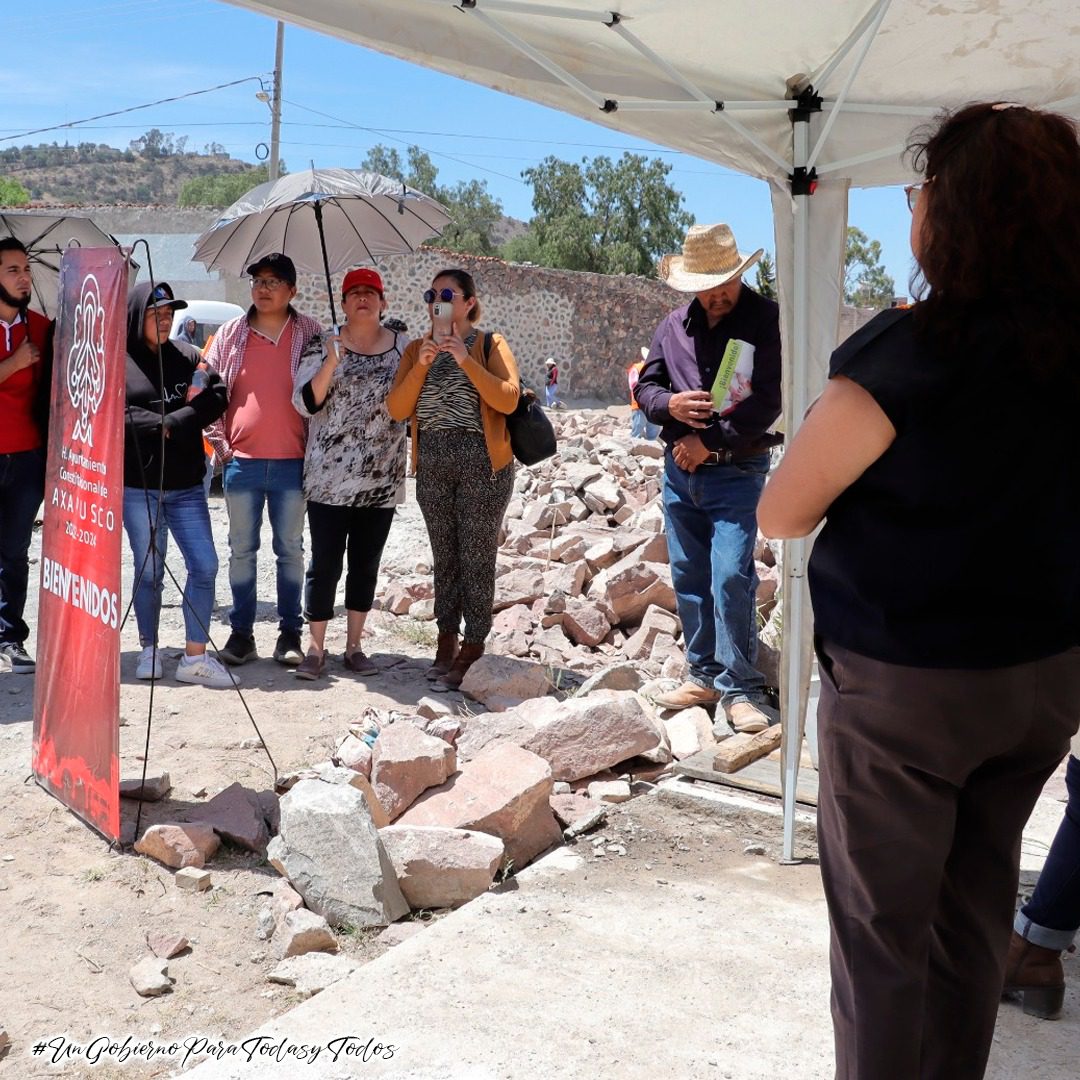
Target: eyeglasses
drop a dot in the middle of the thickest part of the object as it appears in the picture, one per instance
(267, 283)
(913, 193)
(445, 295)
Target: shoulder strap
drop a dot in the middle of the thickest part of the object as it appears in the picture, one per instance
(488, 335)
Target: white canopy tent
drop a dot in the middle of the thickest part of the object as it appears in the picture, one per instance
(813, 98)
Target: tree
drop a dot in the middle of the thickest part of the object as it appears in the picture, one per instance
(765, 282)
(473, 211)
(221, 189)
(12, 193)
(604, 216)
(865, 282)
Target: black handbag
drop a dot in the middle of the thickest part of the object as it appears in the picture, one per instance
(532, 438)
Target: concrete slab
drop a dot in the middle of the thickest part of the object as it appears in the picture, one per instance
(701, 963)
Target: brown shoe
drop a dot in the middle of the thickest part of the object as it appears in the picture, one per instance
(445, 655)
(687, 696)
(746, 718)
(468, 655)
(1037, 975)
(359, 662)
(311, 667)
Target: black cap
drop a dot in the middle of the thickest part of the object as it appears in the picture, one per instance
(162, 296)
(278, 264)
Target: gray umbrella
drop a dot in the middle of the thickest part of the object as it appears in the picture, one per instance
(45, 236)
(324, 220)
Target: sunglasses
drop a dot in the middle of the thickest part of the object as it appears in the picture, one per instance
(267, 283)
(445, 295)
(913, 192)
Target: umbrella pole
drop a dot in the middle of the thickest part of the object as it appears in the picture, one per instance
(326, 264)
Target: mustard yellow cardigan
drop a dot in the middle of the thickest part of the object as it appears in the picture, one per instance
(497, 383)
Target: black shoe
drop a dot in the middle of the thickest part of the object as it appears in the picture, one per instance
(17, 660)
(288, 649)
(239, 649)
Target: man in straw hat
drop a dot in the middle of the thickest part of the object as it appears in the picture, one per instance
(712, 381)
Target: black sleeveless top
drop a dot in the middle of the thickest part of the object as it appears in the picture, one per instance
(960, 546)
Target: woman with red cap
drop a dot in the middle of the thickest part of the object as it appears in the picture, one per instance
(354, 466)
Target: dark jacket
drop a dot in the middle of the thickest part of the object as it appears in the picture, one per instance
(148, 409)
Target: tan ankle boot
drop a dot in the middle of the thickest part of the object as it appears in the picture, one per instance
(465, 659)
(445, 653)
(1037, 975)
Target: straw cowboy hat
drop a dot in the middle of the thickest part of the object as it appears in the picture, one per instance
(709, 258)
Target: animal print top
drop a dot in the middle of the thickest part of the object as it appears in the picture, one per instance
(355, 453)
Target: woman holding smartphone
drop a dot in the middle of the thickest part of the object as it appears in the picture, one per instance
(458, 394)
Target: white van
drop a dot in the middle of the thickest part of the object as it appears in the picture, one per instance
(208, 316)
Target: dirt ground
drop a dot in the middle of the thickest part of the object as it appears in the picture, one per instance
(77, 912)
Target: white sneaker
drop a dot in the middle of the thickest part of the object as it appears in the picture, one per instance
(149, 665)
(203, 670)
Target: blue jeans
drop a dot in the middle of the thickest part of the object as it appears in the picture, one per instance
(1051, 917)
(250, 484)
(22, 483)
(184, 514)
(640, 427)
(711, 527)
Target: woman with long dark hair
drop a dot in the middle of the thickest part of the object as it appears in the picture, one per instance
(458, 385)
(943, 459)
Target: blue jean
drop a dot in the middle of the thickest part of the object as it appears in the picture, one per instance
(711, 527)
(640, 427)
(250, 484)
(184, 514)
(22, 483)
(1051, 917)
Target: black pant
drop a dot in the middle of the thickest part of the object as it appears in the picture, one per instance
(927, 778)
(359, 530)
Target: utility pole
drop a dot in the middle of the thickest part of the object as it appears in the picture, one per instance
(275, 105)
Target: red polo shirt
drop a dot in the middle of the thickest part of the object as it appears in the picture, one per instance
(18, 428)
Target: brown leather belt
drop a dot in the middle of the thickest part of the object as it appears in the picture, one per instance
(726, 457)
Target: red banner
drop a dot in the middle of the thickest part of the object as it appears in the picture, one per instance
(77, 691)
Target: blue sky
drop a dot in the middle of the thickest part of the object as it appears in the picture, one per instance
(85, 57)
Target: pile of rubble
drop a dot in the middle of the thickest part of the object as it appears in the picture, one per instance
(583, 579)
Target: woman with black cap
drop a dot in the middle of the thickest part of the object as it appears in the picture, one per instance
(170, 397)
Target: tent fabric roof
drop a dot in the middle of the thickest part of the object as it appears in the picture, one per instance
(660, 66)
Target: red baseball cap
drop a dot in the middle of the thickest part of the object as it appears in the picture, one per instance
(362, 276)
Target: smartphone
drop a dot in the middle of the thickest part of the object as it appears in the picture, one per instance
(442, 319)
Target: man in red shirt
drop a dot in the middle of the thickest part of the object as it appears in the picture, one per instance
(25, 354)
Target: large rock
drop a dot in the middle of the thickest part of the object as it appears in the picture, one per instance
(312, 972)
(179, 845)
(354, 753)
(405, 763)
(584, 624)
(150, 977)
(505, 677)
(655, 621)
(514, 725)
(329, 848)
(587, 734)
(338, 774)
(518, 587)
(504, 791)
(630, 591)
(302, 931)
(618, 677)
(236, 814)
(442, 868)
(689, 731)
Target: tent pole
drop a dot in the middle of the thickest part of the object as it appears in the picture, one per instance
(795, 550)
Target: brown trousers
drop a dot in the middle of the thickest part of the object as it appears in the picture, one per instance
(926, 780)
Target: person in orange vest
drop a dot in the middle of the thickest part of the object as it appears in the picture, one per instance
(640, 425)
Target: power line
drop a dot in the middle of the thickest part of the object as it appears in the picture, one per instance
(133, 108)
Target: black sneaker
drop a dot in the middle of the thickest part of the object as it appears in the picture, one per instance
(288, 649)
(239, 649)
(15, 658)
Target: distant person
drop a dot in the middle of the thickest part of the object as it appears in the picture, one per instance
(188, 330)
(640, 427)
(458, 394)
(354, 468)
(164, 467)
(950, 674)
(25, 389)
(551, 383)
(260, 444)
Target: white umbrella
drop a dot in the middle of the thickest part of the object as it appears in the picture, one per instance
(45, 236)
(324, 220)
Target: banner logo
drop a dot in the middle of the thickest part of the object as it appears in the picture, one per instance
(86, 360)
